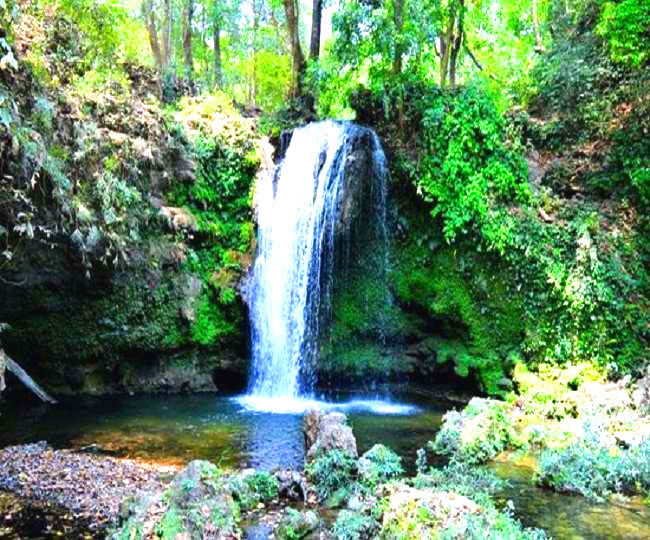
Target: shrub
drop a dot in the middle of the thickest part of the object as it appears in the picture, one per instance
(477, 434)
(331, 471)
(467, 170)
(595, 467)
(461, 478)
(378, 465)
(354, 526)
(551, 391)
(251, 489)
(625, 26)
(492, 524)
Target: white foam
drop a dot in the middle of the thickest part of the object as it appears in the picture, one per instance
(289, 405)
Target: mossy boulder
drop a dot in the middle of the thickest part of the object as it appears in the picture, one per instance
(197, 504)
(296, 525)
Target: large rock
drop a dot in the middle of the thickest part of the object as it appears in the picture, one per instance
(291, 484)
(325, 432)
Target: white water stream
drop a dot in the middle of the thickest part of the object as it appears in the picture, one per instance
(297, 212)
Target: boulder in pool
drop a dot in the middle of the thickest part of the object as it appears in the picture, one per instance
(324, 432)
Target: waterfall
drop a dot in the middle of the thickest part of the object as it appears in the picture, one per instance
(300, 209)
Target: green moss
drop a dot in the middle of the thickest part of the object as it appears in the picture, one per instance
(220, 199)
(170, 525)
(211, 322)
(479, 322)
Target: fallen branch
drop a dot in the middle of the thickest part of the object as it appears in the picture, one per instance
(30, 383)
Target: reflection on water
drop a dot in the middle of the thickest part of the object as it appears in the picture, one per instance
(572, 517)
(176, 429)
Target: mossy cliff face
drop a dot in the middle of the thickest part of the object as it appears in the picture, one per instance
(129, 226)
(438, 314)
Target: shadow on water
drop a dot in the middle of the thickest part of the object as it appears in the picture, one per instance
(173, 430)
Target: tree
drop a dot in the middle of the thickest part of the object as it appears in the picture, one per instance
(152, 29)
(167, 33)
(187, 40)
(217, 23)
(451, 24)
(297, 57)
(316, 21)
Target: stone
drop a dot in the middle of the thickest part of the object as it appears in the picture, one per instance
(291, 484)
(296, 525)
(325, 432)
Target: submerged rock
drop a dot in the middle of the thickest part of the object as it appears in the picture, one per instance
(325, 432)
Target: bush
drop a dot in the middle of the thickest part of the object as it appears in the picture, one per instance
(251, 489)
(551, 391)
(354, 526)
(626, 28)
(493, 525)
(378, 465)
(467, 171)
(331, 471)
(595, 467)
(477, 434)
(461, 478)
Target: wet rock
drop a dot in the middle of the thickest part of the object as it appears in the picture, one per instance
(178, 218)
(191, 290)
(291, 484)
(296, 525)
(74, 376)
(325, 432)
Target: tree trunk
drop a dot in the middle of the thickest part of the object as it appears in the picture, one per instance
(539, 46)
(458, 41)
(297, 58)
(446, 44)
(256, 21)
(216, 37)
(316, 17)
(167, 35)
(152, 30)
(398, 17)
(187, 41)
(21, 374)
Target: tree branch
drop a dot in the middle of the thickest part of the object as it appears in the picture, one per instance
(474, 59)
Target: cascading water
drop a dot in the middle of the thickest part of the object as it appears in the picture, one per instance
(300, 209)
